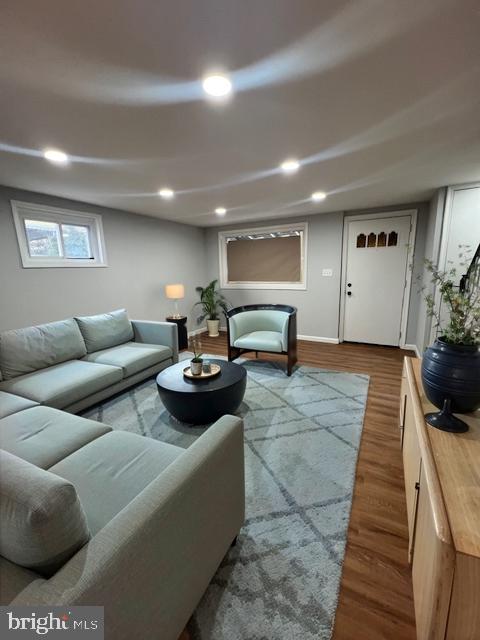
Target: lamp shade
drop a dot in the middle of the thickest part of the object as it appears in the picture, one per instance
(175, 291)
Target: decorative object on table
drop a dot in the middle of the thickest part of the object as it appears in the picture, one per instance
(207, 367)
(211, 302)
(451, 366)
(270, 328)
(214, 370)
(175, 292)
(196, 363)
(181, 323)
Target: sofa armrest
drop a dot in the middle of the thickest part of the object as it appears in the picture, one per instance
(150, 565)
(151, 332)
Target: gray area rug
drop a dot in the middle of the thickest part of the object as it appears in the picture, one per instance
(302, 435)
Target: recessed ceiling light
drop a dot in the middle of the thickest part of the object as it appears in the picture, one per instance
(290, 166)
(55, 156)
(166, 193)
(318, 196)
(217, 86)
(220, 211)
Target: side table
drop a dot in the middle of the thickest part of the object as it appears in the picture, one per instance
(181, 323)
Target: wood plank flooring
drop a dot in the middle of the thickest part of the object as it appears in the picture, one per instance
(376, 591)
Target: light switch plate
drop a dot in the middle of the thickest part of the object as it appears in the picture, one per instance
(327, 272)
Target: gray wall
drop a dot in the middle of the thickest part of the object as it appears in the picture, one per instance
(319, 305)
(432, 247)
(143, 254)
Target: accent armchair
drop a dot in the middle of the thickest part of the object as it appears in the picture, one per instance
(270, 328)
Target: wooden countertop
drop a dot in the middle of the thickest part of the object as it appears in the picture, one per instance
(457, 462)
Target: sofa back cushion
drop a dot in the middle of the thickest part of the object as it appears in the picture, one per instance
(105, 330)
(26, 350)
(258, 320)
(42, 523)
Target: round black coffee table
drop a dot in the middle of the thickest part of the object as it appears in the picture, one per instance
(202, 401)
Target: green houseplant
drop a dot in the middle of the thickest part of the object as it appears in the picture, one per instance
(196, 362)
(211, 302)
(451, 366)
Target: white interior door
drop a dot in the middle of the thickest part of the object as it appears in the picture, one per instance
(376, 271)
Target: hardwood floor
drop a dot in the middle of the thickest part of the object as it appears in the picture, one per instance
(376, 591)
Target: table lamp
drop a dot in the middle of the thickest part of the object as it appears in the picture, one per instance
(175, 292)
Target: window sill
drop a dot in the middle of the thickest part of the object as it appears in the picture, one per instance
(64, 264)
(265, 285)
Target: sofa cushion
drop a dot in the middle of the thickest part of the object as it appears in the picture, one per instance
(260, 341)
(65, 383)
(10, 403)
(132, 357)
(43, 436)
(110, 471)
(14, 580)
(42, 522)
(105, 330)
(26, 350)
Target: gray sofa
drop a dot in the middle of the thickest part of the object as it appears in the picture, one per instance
(75, 363)
(95, 516)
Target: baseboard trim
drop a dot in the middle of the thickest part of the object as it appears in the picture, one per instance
(412, 347)
(197, 332)
(318, 339)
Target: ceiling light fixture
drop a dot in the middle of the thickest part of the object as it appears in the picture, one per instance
(318, 196)
(217, 86)
(56, 156)
(166, 193)
(290, 166)
(220, 211)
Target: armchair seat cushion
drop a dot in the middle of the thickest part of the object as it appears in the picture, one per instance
(131, 357)
(43, 436)
(63, 384)
(112, 470)
(260, 341)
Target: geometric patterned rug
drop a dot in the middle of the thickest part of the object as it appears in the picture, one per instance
(302, 434)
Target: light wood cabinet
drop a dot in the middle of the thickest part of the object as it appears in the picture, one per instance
(442, 486)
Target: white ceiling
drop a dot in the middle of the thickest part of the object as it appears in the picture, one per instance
(379, 99)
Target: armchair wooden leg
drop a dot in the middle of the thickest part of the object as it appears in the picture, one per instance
(290, 363)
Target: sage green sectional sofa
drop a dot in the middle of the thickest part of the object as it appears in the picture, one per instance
(90, 515)
(74, 363)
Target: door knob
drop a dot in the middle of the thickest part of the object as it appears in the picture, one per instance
(349, 293)
(349, 284)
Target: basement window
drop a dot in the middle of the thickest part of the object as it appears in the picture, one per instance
(263, 258)
(52, 237)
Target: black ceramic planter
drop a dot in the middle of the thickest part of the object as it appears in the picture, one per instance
(451, 379)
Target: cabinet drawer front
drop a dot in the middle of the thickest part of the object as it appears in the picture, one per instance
(411, 469)
(432, 571)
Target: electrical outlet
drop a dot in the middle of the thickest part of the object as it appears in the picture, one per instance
(327, 273)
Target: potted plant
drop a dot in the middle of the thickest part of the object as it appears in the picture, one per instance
(211, 301)
(451, 366)
(196, 363)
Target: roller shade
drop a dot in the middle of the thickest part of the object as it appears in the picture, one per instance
(277, 259)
